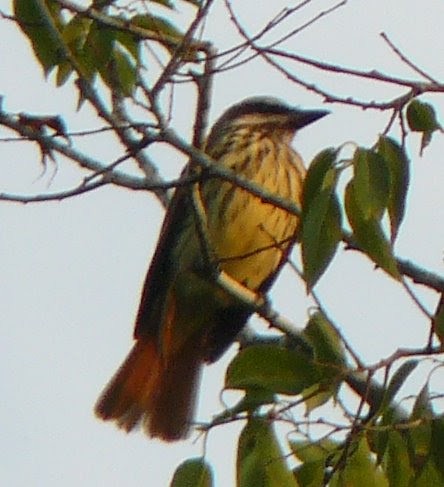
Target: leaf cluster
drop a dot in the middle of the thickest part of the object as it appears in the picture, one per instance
(385, 447)
(377, 187)
(93, 44)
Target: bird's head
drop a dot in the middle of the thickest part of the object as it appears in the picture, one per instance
(263, 113)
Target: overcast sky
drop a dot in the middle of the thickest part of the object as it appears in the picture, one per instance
(72, 271)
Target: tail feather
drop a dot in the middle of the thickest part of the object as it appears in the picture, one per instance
(147, 390)
(172, 409)
(127, 396)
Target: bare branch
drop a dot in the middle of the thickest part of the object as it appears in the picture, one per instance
(407, 61)
(187, 41)
(57, 196)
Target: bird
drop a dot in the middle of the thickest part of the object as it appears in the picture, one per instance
(185, 318)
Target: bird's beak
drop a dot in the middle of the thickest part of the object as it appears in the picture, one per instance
(301, 118)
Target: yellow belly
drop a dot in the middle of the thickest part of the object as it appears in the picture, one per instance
(252, 247)
(248, 235)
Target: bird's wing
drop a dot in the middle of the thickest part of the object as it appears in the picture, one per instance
(163, 266)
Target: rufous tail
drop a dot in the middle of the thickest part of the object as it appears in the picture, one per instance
(148, 390)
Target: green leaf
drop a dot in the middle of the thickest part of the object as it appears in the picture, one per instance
(419, 444)
(422, 409)
(64, 71)
(398, 379)
(378, 436)
(260, 461)
(320, 235)
(125, 71)
(40, 26)
(163, 30)
(74, 35)
(318, 395)
(371, 183)
(195, 472)
(438, 321)
(437, 444)
(396, 462)
(316, 451)
(99, 45)
(421, 117)
(130, 43)
(103, 53)
(377, 440)
(420, 434)
(321, 222)
(320, 175)
(94, 48)
(316, 458)
(329, 356)
(252, 400)
(327, 345)
(399, 169)
(273, 368)
(429, 476)
(310, 474)
(359, 469)
(368, 234)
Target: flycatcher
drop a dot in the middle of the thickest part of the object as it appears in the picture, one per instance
(185, 318)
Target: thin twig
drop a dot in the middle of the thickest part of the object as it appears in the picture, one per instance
(57, 196)
(407, 61)
(181, 49)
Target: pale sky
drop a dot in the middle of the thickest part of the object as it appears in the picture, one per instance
(72, 271)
